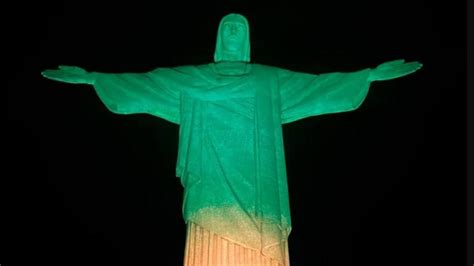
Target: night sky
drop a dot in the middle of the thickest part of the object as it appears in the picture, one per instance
(382, 185)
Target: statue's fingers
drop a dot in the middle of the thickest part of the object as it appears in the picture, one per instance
(412, 67)
(73, 69)
(417, 65)
(49, 73)
(52, 76)
(391, 64)
(406, 70)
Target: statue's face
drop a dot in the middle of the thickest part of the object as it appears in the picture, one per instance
(233, 43)
(233, 35)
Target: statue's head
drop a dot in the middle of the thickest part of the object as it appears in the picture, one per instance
(233, 39)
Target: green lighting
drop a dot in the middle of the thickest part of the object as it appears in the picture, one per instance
(230, 112)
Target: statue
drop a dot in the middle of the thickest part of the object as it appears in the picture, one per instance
(231, 156)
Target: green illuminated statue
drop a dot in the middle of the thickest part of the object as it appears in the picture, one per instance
(231, 159)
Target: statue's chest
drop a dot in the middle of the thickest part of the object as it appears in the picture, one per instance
(221, 89)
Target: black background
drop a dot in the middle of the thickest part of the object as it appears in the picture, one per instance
(382, 185)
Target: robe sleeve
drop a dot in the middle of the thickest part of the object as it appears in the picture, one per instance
(303, 95)
(156, 92)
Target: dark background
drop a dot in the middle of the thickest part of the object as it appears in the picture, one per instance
(382, 185)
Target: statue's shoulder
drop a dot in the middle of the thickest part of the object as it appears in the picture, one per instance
(182, 70)
(186, 68)
(266, 69)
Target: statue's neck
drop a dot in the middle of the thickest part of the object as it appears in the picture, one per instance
(232, 68)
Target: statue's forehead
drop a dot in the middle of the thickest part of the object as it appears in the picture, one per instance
(238, 23)
(234, 19)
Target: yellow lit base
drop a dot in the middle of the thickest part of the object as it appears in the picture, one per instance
(206, 248)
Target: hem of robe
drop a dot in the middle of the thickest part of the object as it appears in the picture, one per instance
(232, 223)
(205, 248)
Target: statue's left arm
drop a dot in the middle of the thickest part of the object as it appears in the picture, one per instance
(303, 95)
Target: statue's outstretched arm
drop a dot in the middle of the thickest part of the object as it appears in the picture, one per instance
(70, 74)
(306, 95)
(155, 92)
(393, 69)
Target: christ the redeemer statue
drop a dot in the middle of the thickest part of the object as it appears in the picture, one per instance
(231, 156)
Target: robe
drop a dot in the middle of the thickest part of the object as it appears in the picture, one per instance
(231, 156)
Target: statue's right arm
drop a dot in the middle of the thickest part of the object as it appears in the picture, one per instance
(156, 92)
(70, 74)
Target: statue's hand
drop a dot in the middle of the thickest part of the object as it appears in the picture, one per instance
(69, 74)
(393, 69)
